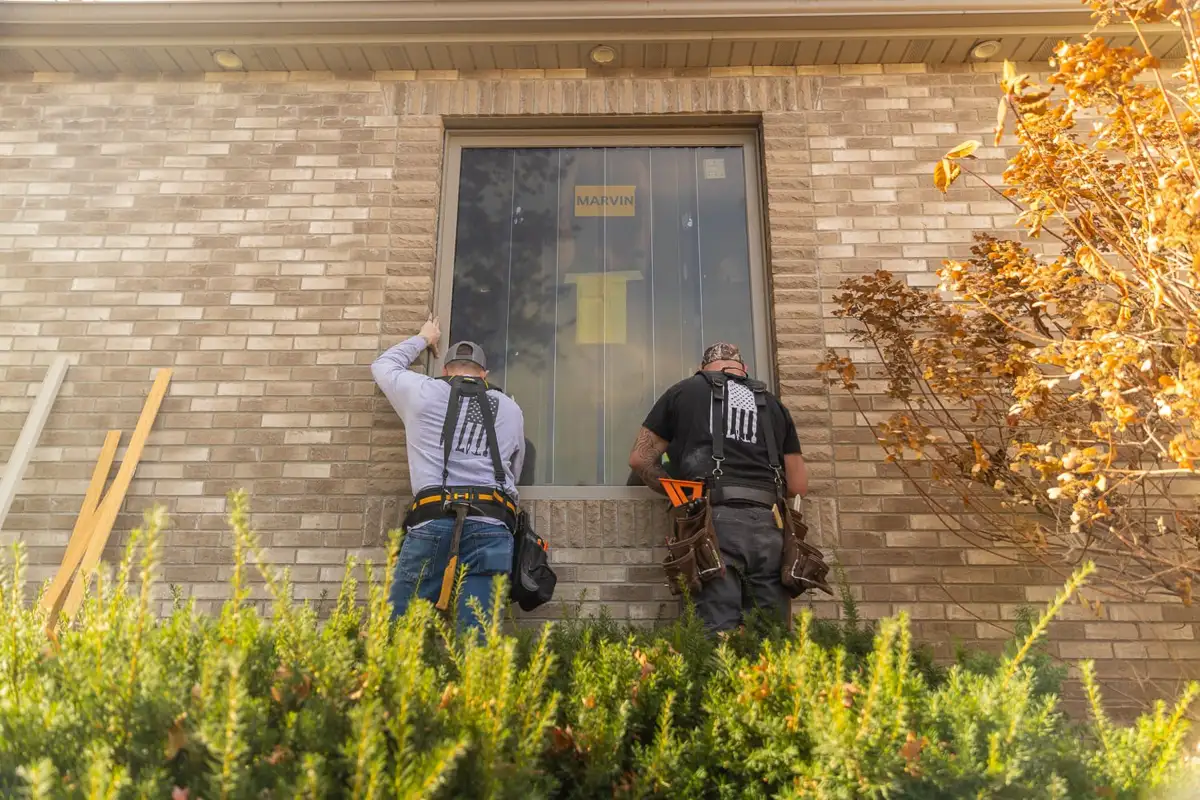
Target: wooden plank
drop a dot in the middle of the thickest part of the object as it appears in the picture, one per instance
(106, 514)
(36, 420)
(52, 600)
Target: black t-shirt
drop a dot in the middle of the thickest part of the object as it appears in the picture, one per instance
(683, 416)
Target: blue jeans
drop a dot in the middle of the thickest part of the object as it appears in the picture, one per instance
(484, 549)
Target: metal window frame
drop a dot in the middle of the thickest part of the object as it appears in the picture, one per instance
(748, 138)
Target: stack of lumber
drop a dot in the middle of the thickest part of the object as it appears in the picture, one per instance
(100, 508)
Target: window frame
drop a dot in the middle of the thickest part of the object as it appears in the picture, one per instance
(447, 228)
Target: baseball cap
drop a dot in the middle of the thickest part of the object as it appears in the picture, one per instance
(467, 351)
(722, 351)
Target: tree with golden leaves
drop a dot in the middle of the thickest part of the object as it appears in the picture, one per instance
(1050, 390)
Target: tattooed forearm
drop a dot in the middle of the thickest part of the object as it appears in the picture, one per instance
(646, 459)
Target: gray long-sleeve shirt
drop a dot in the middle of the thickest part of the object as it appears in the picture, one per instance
(422, 402)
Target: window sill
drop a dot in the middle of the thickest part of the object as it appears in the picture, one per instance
(588, 493)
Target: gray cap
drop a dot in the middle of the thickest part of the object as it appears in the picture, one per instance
(467, 351)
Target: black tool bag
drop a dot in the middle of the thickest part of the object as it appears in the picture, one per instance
(531, 580)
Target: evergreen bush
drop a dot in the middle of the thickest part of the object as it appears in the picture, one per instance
(243, 705)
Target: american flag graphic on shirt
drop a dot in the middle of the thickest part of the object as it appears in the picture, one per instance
(470, 435)
(741, 413)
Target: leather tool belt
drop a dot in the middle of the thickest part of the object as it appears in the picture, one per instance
(804, 566)
(693, 554)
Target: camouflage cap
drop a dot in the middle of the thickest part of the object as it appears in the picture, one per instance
(722, 351)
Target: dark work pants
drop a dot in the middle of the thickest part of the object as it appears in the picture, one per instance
(752, 547)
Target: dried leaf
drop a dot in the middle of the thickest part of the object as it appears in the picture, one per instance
(945, 174)
(911, 749)
(176, 738)
(1001, 117)
(965, 150)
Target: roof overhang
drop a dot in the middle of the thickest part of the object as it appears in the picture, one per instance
(123, 35)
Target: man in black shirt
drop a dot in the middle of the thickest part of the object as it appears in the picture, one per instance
(742, 485)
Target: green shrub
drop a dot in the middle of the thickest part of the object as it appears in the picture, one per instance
(242, 705)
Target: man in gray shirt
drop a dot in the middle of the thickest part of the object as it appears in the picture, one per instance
(485, 546)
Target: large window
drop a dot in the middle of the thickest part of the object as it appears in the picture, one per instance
(593, 277)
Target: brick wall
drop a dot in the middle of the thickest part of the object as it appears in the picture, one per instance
(267, 234)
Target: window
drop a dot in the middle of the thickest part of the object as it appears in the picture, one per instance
(593, 276)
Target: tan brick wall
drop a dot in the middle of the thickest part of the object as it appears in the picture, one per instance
(267, 234)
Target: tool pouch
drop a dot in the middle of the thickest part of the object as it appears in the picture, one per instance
(532, 581)
(693, 555)
(803, 566)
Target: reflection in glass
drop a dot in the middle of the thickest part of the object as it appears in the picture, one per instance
(593, 278)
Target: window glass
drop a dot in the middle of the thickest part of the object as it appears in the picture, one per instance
(593, 277)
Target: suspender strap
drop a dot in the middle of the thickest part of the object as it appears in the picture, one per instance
(718, 425)
(489, 426)
(766, 419)
(474, 392)
(448, 426)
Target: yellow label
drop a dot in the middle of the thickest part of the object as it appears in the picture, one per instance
(600, 306)
(605, 201)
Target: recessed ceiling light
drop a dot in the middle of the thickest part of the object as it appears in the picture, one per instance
(602, 54)
(227, 59)
(985, 50)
